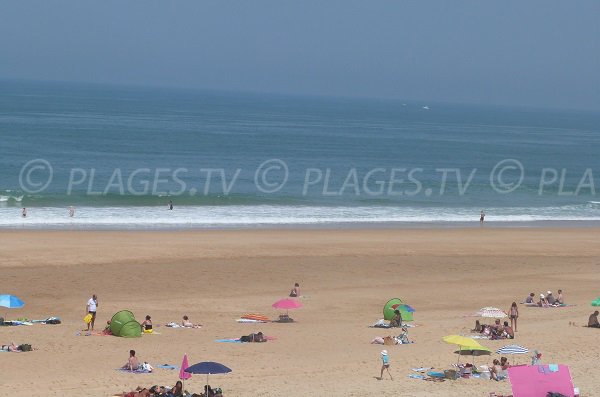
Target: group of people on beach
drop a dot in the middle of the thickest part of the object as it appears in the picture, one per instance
(497, 330)
(175, 391)
(546, 300)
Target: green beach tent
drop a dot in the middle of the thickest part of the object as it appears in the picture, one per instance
(123, 324)
(388, 310)
(596, 302)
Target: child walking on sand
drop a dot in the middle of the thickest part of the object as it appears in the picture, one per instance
(385, 364)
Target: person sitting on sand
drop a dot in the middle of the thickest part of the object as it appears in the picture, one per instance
(177, 390)
(496, 371)
(147, 325)
(107, 330)
(397, 320)
(543, 301)
(507, 331)
(208, 391)
(560, 299)
(258, 338)
(188, 324)
(478, 327)
(593, 320)
(530, 299)
(550, 298)
(295, 292)
(133, 363)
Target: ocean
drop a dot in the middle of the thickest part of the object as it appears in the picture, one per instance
(120, 155)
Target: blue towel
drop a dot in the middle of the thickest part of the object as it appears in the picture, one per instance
(229, 340)
(553, 367)
(167, 366)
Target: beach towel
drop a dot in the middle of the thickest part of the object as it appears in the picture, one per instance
(166, 366)
(49, 320)
(237, 340)
(415, 376)
(17, 322)
(422, 369)
(255, 316)
(538, 380)
(248, 320)
(137, 371)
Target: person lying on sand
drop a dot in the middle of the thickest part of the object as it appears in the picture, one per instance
(593, 320)
(133, 363)
(188, 324)
(386, 340)
(16, 348)
(258, 338)
(139, 392)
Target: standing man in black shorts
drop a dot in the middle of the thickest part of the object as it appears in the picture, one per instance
(91, 307)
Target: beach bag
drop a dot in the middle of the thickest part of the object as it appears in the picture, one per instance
(88, 319)
(24, 347)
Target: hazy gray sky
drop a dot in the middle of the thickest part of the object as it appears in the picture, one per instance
(539, 53)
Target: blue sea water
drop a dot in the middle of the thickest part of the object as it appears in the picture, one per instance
(120, 154)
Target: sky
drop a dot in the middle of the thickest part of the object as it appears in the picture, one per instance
(531, 53)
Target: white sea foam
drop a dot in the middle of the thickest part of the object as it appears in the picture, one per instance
(269, 215)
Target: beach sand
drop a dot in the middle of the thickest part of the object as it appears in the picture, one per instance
(345, 276)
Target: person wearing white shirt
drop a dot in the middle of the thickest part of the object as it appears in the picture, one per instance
(91, 307)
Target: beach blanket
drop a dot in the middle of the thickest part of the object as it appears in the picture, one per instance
(255, 316)
(538, 380)
(547, 307)
(383, 324)
(49, 320)
(249, 320)
(237, 340)
(422, 369)
(166, 366)
(175, 325)
(17, 322)
(137, 371)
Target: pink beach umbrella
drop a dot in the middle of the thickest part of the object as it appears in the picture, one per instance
(184, 365)
(287, 304)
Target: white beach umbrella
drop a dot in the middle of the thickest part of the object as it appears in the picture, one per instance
(491, 312)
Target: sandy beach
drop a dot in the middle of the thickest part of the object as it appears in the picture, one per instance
(346, 276)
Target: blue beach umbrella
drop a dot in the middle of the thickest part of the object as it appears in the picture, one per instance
(208, 367)
(11, 301)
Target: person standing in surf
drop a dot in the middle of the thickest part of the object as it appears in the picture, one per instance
(170, 204)
(24, 212)
(481, 217)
